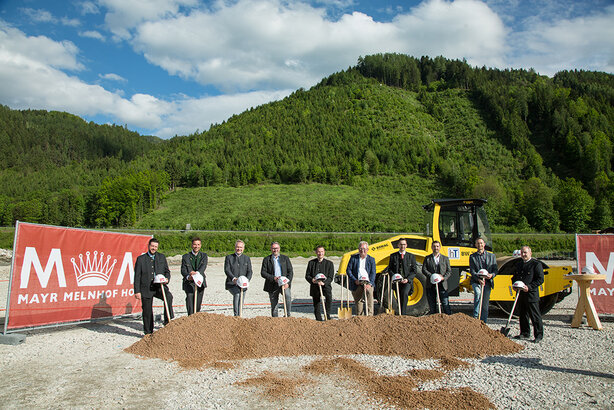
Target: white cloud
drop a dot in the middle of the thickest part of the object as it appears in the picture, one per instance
(191, 114)
(112, 77)
(31, 78)
(124, 15)
(17, 49)
(460, 29)
(92, 34)
(39, 16)
(271, 44)
(70, 22)
(582, 43)
(88, 7)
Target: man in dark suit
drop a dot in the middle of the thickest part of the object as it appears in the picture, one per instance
(359, 265)
(404, 264)
(146, 267)
(235, 265)
(531, 273)
(314, 267)
(193, 263)
(478, 261)
(440, 264)
(274, 267)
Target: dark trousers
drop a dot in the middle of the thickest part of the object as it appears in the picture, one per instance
(147, 302)
(274, 298)
(189, 297)
(317, 303)
(431, 296)
(529, 310)
(404, 289)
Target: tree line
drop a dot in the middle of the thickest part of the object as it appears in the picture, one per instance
(539, 148)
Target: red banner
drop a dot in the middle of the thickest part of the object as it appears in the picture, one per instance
(598, 251)
(64, 275)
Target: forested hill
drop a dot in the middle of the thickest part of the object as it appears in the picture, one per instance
(540, 149)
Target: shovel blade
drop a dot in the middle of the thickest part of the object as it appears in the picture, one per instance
(505, 331)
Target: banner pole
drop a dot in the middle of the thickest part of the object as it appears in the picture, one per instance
(8, 297)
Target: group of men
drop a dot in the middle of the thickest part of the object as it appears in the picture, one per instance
(278, 274)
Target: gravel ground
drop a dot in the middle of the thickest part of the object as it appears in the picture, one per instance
(85, 365)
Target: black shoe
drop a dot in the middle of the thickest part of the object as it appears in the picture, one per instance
(538, 339)
(522, 337)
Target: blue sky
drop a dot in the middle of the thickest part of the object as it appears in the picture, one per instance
(172, 67)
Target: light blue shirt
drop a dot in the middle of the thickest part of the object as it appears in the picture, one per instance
(277, 266)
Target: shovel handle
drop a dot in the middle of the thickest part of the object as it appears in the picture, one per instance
(283, 295)
(512, 311)
(241, 303)
(438, 301)
(195, 293)
(399, 298)
(168, 314)
(481, 296)
(323, 306)
(366, 304)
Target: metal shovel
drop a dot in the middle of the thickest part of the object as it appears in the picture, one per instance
(398, 298)
(481, 295)
(505, 330)
(168, 315)
(438, 301)
(195, 293)
(323, 306)
(342, 312)
(283, 295)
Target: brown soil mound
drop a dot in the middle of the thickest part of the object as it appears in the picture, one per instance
(400, 391)
(204, 338)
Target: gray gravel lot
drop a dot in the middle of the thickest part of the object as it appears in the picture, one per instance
(85, 366)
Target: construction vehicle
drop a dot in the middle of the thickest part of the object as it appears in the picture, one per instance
(456, 224)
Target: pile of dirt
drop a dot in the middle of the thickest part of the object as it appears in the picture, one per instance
(205, 338)
(400, 391)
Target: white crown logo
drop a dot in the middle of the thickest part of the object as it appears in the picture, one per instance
(95, 271)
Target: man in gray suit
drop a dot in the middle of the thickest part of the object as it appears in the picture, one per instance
(275, 266)
(440, 264)
(478, 261)
(235, 265)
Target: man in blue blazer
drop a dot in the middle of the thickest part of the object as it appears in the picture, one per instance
(361, 263)
(478, 261)
(273, 267)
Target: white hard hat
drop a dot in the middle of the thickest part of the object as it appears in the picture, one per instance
(518, 284)
(242, 282)
(198, 279)
(396, 277)
(482, 272)
(160, 278)
(516, 253)
(588, 270)
(321, 276)
(436, 278)
(282, 280)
